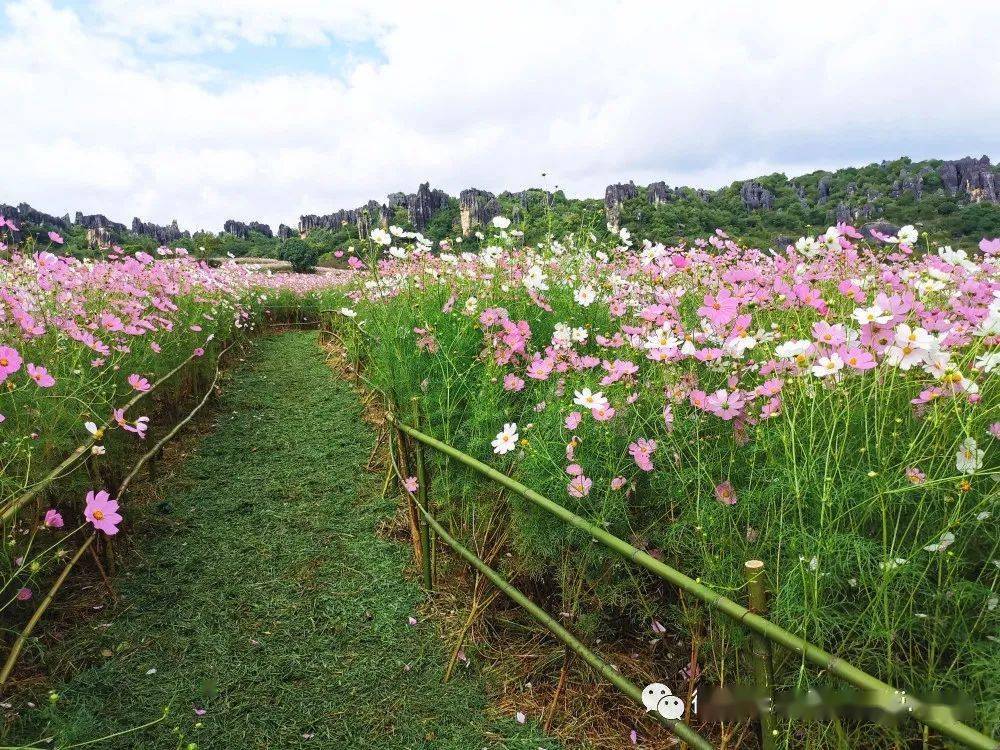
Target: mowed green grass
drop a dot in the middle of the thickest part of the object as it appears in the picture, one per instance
(260, 592)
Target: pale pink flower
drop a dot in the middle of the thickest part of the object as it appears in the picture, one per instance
(53, 519)
(23, 594)
(10, 362)
(102, 512)
(580, 486)
(411, 484)
(41, 376)
(138, 383)
(573, 420)
(725, 493)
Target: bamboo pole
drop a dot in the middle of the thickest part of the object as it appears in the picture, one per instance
(84, 449)
(633, 691)
(940, 718)
(398, 463)
(15, 650)
(425, 531)
(760, 653)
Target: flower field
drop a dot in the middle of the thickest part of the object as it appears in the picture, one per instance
(81, 346)
(830, 408)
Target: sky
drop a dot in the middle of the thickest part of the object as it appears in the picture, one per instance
(204, 111)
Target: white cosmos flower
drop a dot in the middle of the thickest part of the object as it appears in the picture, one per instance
(907, 235)
(348, 312)
(589, 400)
(397, 252)
(98, 450)
(946, 540)
(580, 335)
(585, 296)
(381, 236)
(830, 365)
(395, 231)
(661, 338)
(916, 338)
(988, 362)
(501, 222)
(873, 314)
(793, 349)
(506, 439)
(807, 246)
(534, 279)
(969, 458)
(93, 429)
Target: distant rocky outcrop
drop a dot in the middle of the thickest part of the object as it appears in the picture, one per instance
(243, 230)
(285, 231)
(476, 209)
(755, 196)
(100, 229)
(973, 178)
(25, 214)
(614, 197)
(423, 204)
(163, 235)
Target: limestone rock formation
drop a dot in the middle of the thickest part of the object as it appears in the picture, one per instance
(241, 230)
(614, 197)
(973, 178)
(423, 204)
(476, 208)
(163, 235)
(755, 196)
(285, 232)
(658, 192)
(823, 189)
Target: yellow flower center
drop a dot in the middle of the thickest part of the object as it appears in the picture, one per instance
(98, 515)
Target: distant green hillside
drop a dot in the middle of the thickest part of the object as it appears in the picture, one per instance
(954, 201)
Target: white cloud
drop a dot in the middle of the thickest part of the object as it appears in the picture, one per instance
(120, 108)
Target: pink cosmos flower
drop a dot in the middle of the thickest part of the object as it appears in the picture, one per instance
(573, 420)
(41, 376)
(915, 475)
(10, 362)
(411, 484)
(574, 470)
(24, 594)
(725, 493)
(55, 237)
(138, 382)
(199, 352)
(53, 519)
(603, 413)
(720, 308)
(512, 382)
(580, 486)
(102, 512)
(994, 430)
(832, 336)
(642, 451)
(857, 358)
(618, 482)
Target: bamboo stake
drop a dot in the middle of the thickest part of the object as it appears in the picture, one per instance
(939, 718)
(604, 669)
(760, 653)
(15, 505)
(15, 650)
(398, 462)
(425, 536)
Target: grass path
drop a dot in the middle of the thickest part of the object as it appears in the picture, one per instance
(260, 593)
